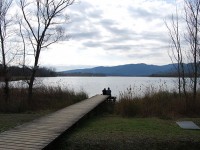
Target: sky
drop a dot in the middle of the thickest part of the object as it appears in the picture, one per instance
(113, 32)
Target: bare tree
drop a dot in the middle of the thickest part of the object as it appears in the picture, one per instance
(177, 52)
(190, 42)
(42, 23)
(4, 24)
(192, 14)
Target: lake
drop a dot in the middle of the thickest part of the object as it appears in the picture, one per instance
(95, 85)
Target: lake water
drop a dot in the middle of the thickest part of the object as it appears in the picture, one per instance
(95, 85)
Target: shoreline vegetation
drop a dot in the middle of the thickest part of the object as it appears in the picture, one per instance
(162, 104)
(45, 98)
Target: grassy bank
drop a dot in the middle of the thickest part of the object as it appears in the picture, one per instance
(43, 99)
(115, 132)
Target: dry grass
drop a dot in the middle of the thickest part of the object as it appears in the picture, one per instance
(161, 104)
(44, 98)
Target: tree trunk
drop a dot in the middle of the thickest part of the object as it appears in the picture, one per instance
(195, 58)
(195, 83)
(5, 74)
(30, 90)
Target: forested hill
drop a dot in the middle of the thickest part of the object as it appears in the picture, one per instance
(21, 72)
(124, 70)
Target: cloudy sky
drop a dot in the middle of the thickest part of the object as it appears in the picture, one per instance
(113, 32)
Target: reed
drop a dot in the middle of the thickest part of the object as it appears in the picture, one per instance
(44, 98)
(160, 103)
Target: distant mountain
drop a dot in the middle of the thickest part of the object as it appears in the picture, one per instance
(123, 70)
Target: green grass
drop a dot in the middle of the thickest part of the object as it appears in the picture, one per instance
(115, 132)
(8, 121)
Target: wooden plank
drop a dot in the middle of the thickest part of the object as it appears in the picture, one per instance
(41, 132)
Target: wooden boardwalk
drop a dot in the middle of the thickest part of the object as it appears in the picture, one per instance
(39, 133)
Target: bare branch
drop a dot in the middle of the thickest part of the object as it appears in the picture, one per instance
(41, 26)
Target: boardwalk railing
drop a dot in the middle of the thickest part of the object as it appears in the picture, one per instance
(39, 133)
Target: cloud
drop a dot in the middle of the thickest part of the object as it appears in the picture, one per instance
(107, 22)
(92, 44)
(156, 36)
(125, 30)
(142, 13)
(145, 56)
(84, 35)
(121, 47)
(117, 30)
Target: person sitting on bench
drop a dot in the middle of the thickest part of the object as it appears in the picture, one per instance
(108, 92)
(104, 91)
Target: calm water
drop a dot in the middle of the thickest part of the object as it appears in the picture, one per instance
(95, 85)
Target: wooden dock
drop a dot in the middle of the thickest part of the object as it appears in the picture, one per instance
(41, 132)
